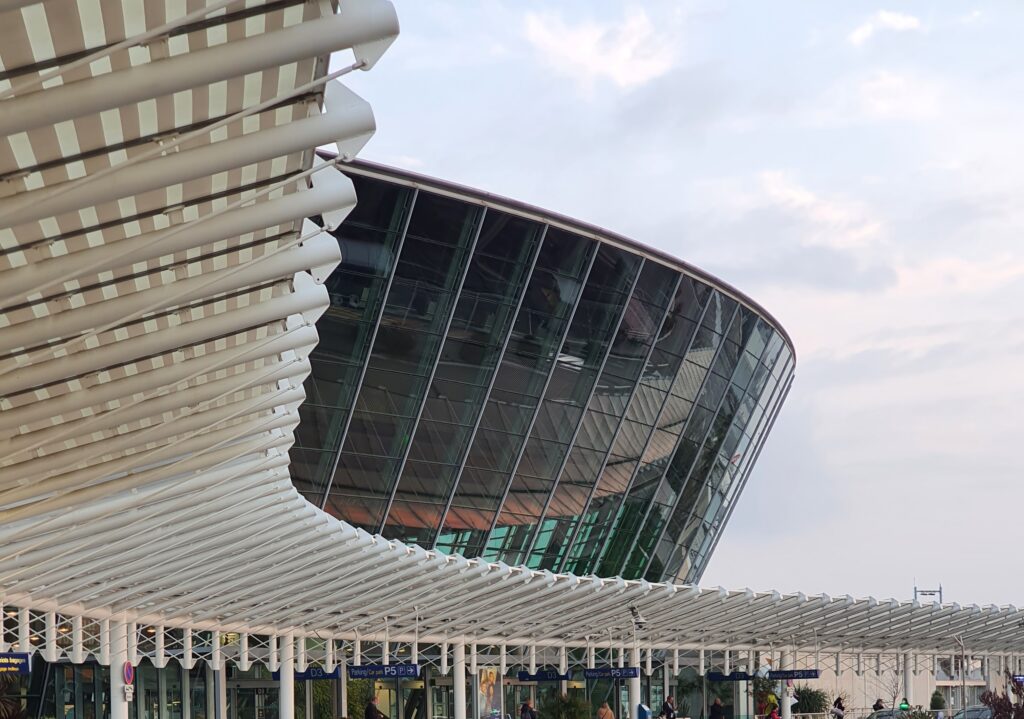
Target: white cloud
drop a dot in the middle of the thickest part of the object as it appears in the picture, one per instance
(971, 17)
(883, 20)
(629, 53)
(889, 95)
(830, 222)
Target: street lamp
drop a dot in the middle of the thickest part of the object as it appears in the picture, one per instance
(959, 638)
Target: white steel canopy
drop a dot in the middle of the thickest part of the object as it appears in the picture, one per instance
(159, 289)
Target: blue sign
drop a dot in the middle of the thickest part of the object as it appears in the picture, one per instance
(544, 675)
(781, 674)
(731, 677)
(612, 673)
(312, 673)
(1018, 678)
(14, 663)
(383, 671)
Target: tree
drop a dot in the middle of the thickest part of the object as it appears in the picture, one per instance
(359, 693)
(1002, 706)
(890, 686)
(11, 704)
(938, 701)
(563, 706)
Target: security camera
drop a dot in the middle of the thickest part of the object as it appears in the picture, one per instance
(638, 618)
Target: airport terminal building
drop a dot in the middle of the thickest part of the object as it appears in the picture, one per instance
(280, 428)
(498, 381)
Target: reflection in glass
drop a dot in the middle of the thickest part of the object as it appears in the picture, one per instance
(489, 385)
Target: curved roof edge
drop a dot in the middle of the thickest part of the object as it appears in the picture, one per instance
(364, 167)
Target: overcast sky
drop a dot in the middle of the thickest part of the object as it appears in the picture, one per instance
(857, 168)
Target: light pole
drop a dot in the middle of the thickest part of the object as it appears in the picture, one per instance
(959, 638)
(634, 682)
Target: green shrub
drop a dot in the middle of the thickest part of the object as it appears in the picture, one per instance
(562, 706)
(359, 693)
(810, 700)
(938, 701)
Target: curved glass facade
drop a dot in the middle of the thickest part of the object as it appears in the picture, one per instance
(495, 382)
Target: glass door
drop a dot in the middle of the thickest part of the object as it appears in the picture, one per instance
(442, 701)
(252, 703)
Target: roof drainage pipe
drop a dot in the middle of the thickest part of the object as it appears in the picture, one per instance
(366, 26)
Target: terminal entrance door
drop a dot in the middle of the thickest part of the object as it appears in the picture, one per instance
(516, 693)
(246, 701)
(442, 699)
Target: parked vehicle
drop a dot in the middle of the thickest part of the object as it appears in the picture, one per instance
(978, 712)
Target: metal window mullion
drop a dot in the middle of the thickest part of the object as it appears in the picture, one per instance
(369, 347)
(604, 462)
(750, 465)
(490, 385)
(661, 534)
(760, 442)
(457, 292)
(703, 441)
(543, 391)
(682, 433)
(593, 390)
(650, 438)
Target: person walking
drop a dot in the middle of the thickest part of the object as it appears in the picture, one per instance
(527, 711)
(838, 708)
(878, 705)
(717, 712)
(668, 709)
(773, 711)
(372, 711)
(605, 712)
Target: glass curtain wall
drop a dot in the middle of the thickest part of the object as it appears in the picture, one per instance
(496, 386)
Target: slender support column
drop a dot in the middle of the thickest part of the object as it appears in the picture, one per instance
(344, 683)
(186, 694)
(212, 692)
(220, 683)
(459, 678)
(666, 690)
(286, 699)
(634, 685)
(908, 678)
(785, 662)
(118, 657)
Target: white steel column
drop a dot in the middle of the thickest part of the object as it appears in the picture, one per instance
(220, 683)
(186, 694)
(634, 685)
(118, 657)
(343, 667)
(459, 678)
(908, 678)
(785, 662)
(286, 700)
